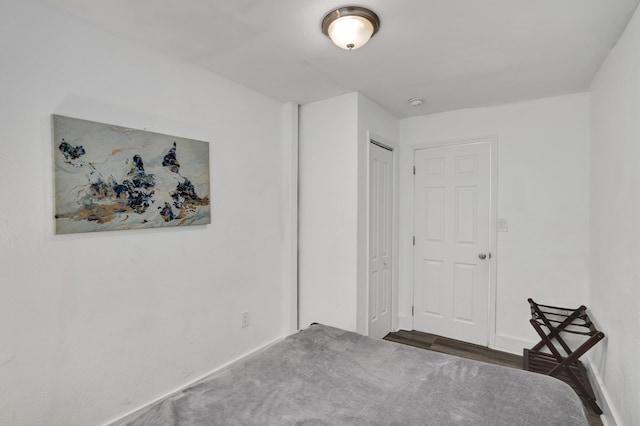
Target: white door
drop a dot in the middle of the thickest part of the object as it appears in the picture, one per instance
(380, 241)
(452, 191)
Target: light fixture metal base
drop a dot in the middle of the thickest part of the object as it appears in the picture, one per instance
(353, 12)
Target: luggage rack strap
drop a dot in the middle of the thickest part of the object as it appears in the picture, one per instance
(569, 317)
(566, 330)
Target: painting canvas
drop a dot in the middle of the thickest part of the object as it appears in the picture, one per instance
(112, 178)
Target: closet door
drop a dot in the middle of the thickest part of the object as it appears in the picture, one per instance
(380, 239)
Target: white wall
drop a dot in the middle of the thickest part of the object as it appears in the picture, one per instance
(333, 213)
(543, 175)
(328, 212)
(615, 226)
(289, 219)
(94, 325)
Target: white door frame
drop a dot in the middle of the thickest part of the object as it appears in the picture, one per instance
(493, 140)
(373, 138)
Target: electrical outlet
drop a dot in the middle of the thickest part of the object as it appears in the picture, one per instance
(245, 319)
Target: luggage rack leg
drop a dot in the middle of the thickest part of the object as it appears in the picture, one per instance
(567, 367)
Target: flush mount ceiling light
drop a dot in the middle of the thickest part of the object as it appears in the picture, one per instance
(350, 27)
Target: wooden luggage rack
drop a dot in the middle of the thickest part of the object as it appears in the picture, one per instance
(565, 367)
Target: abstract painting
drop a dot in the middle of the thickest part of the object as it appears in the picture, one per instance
(111, 178)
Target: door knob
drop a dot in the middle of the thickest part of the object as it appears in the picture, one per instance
(482, 256)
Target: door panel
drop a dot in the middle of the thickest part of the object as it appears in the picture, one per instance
(380, 240)
(432, 285)
(452, 228)
(466, 215)
(463, 282)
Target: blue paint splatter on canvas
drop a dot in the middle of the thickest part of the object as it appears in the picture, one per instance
(110, 178)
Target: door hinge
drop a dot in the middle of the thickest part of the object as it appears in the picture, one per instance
(413, 311)
(414, 170)
(414, 240)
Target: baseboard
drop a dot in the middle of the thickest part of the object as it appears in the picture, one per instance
(137, 411)
(609, 415)
(510, 344)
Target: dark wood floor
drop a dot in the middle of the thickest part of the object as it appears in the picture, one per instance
(465, 350)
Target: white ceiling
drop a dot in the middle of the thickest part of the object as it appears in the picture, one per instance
(453, 53)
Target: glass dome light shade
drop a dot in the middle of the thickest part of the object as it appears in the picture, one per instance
(350, 32)
(350, 27)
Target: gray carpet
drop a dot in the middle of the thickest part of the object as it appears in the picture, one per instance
(327, 376)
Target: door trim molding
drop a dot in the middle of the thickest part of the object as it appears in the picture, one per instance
(493, 202)
(383, 146)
